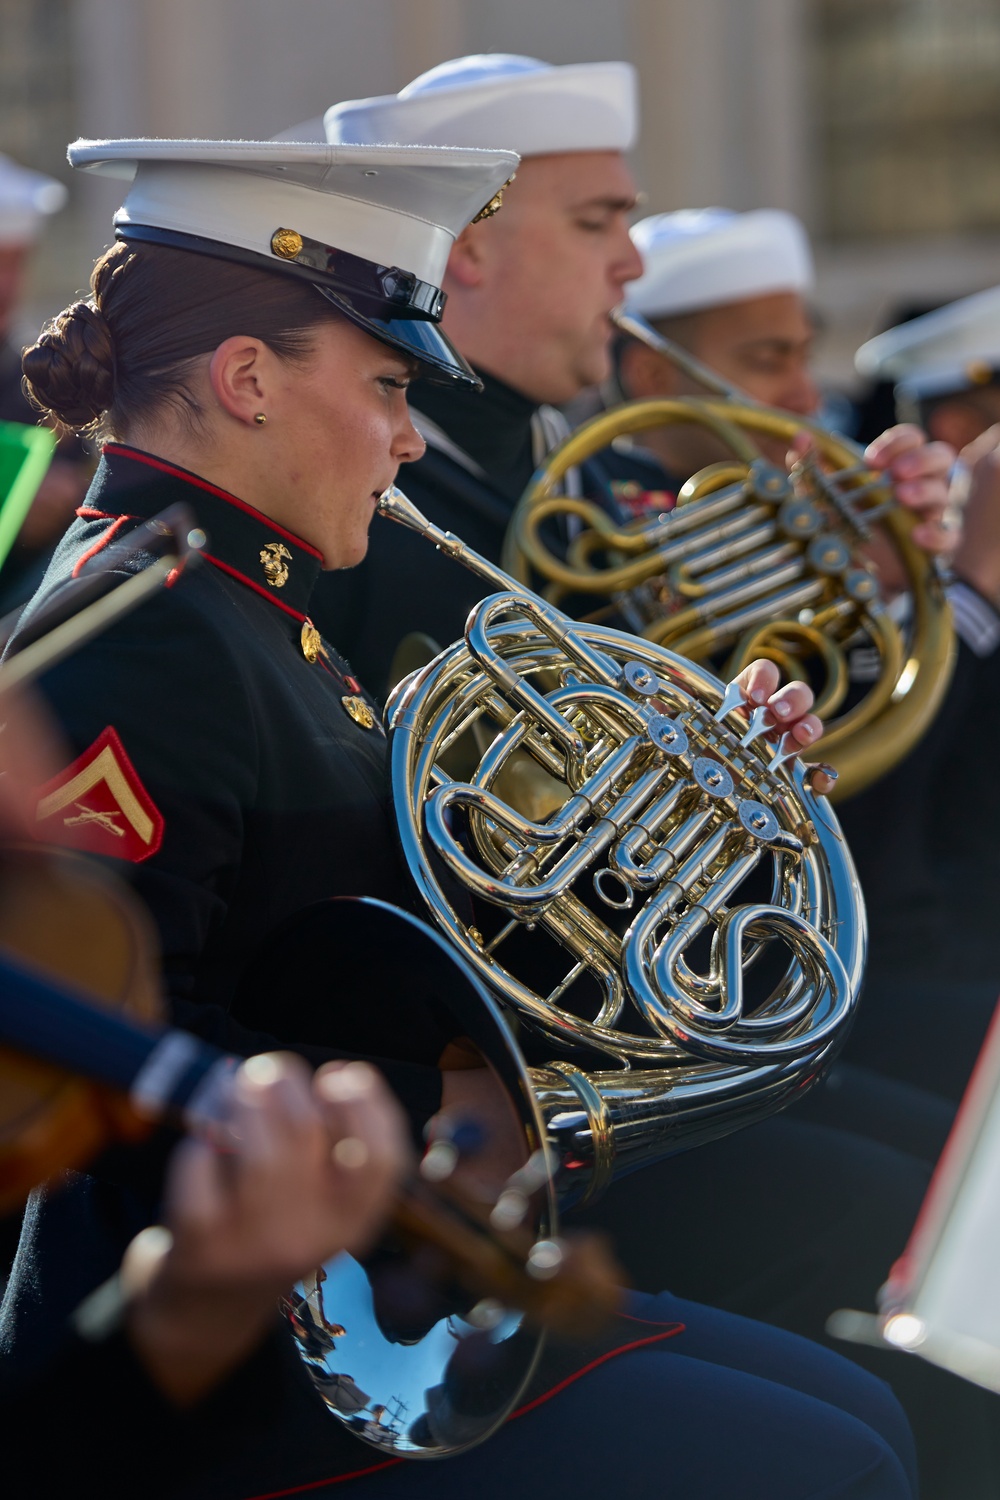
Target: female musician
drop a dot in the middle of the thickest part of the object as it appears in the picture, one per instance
(246, 349)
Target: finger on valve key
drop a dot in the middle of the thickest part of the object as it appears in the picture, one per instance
(789, 710)
(920, 472)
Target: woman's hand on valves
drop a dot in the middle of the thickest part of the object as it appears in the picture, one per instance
(309, 1168)
(789, 710)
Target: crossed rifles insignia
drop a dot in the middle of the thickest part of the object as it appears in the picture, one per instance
(99, 804)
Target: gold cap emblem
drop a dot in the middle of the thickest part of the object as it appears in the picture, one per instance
(979, 372)
(358, 710)
(287, 243)
(275, 558)
(495, 204)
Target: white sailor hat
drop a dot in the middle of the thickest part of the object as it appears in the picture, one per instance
(370, 227)
(499, 99)
(26, 198)
(704, 257)
(952, 349)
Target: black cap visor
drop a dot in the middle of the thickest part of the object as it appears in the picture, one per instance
(437, 356)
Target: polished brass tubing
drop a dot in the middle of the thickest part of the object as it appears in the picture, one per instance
(739, 567)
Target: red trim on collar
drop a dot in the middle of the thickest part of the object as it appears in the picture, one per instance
(88, 513)
(100, 545)
(257, 588)
(166, 468)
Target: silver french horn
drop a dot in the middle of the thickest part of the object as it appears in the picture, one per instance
(632, 834)
(629, 832)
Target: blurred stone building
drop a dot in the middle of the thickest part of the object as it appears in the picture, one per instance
(878, 121)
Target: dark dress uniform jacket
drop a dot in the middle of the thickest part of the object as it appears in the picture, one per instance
(266, 794)
(207, 753)
(230, 775)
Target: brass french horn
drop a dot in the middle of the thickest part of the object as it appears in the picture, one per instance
(754, 561)
(632, 834)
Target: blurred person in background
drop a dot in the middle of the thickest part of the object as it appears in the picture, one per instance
(27, 199)
(939, 366)
(938, 816)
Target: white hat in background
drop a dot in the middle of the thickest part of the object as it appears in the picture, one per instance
(952, 349)
(370, 227)
(26, 199)
(704, 257)
(498, 99)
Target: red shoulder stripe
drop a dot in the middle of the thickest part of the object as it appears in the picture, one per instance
(99, 545)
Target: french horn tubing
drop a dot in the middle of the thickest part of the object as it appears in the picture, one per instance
(631, 833)
(754, 561)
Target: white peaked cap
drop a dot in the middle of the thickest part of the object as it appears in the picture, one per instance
(26, 198)
(705, 257)
(370, 226)
(498, 99)
(953, 348)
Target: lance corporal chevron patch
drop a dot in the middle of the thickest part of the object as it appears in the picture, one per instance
(99, 804)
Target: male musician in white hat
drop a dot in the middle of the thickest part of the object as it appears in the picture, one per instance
(528, 302)
(739, 282)
(813, 1210)
(732, 289)
(27, 200)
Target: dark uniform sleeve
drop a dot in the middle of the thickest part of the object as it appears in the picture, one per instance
(112, 1419)
(182, 711)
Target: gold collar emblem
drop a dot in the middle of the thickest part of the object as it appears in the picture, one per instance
(275, 557)
(358, 710)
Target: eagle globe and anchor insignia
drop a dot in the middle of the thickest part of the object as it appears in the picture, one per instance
(275, 557)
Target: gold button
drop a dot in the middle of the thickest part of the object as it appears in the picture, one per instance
(287, 243)
(359, 711)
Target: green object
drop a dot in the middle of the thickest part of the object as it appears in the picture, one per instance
(25, 455)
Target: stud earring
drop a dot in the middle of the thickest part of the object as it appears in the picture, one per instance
(260, 419)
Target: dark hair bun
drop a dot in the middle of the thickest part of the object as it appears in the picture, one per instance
(70, 371)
